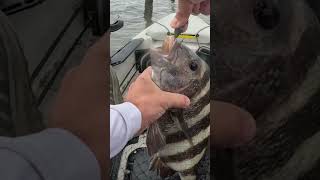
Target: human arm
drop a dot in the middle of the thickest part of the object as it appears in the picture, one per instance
(125, 122)
(80, 105)
(50, 154)
(144, 104)
(187, 7)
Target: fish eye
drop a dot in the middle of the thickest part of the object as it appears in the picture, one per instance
(266, 14)
(193, 66)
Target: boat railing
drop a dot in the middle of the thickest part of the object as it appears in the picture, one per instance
(121, 55)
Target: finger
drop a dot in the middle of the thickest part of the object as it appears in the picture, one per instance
(185, 27)
(175, 23)
(232, 125)
(183, 13)
(131, 86)
(146, 74)
(205, 7)
(196, 9)
(157, 116)
(148, 71)
(173, 100)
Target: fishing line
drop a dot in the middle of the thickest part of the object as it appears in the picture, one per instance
(202, 30)
(168, 31)
(197, 36)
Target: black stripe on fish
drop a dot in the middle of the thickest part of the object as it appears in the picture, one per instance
(194, 130)
(177, 116)
(189, 154)
(167, 123)
(196, 108)
(188, 172)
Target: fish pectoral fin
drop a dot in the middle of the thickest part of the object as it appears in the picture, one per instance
(155, 139)
(188, 175)
(177, 117)
(154, 162)
(157, 165)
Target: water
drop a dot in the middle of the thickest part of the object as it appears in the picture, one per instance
(136, 17)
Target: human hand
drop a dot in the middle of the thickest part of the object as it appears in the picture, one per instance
(232, 126)
(81, 103)
(187, 7)
(151, 101)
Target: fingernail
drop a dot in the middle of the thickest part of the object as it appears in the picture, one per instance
(174, 23)
(187, 102)
(185, 27)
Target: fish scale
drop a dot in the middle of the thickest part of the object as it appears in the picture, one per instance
(179, 140)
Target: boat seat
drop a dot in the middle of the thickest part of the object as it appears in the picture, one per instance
(121, 55)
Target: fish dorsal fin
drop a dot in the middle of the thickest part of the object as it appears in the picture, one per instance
(177, 117)
(155, 139)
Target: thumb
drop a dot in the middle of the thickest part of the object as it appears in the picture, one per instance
(182, 15)
(205, 7)
(174, 100)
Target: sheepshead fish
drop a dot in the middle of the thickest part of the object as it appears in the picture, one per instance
(178, 141)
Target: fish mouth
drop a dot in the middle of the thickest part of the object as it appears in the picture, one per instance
(158, 63)
(168, 44)
(165, 72)
(163, 56)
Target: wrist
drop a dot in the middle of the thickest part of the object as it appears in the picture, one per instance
(139, 107)
(133, 119)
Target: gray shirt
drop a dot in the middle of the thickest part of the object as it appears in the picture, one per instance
(53, 154)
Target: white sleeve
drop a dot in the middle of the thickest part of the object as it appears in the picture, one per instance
(125, 122)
